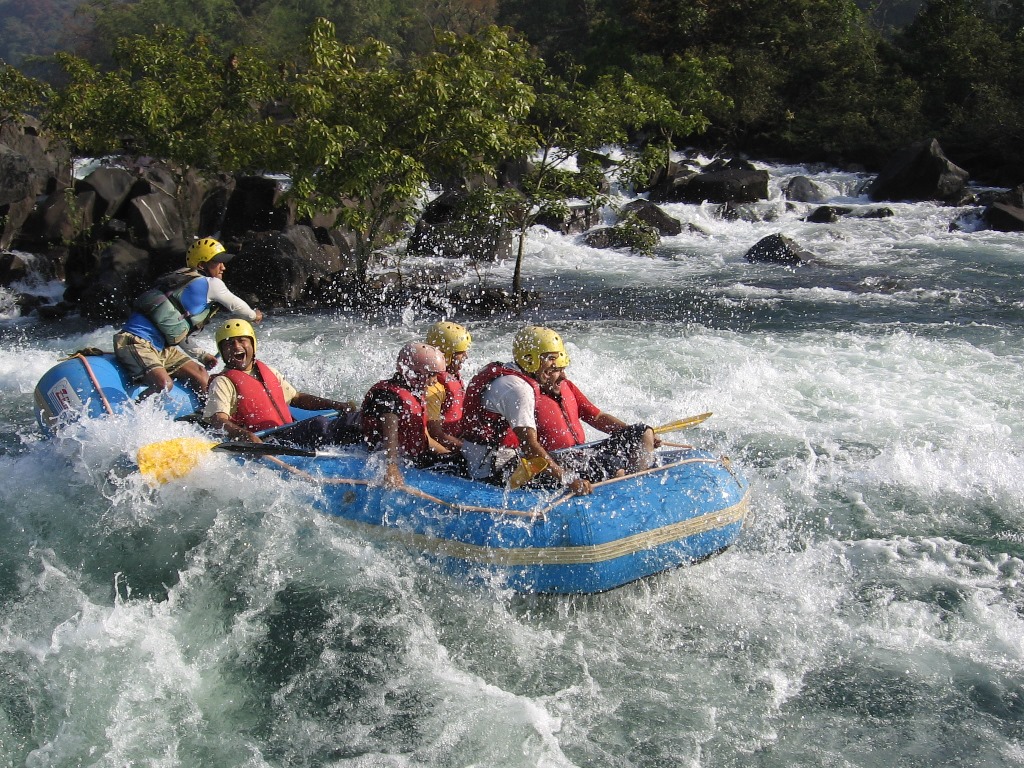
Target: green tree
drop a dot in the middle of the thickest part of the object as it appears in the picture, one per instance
(569, 119)
(967, 58)
(368, 135)
(677, 94)
(171, 97)
(218, 21)
(20, 94)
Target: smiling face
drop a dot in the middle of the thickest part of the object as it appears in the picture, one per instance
(215, 269)
(237, 353)
(550, 374)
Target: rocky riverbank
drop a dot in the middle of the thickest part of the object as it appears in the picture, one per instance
(109, 228)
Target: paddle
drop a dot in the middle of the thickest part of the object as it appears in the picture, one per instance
(672, 426)
(528, 468)
(172, 459)
(689, 421)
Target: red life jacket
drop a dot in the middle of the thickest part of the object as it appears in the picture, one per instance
(454, 397)
(260, 403)
(558, 419)
(480, 425)
(412, 421)
(558, 423)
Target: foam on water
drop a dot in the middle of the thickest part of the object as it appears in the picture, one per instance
(870, 615)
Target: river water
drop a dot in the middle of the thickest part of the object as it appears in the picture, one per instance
(872, 613)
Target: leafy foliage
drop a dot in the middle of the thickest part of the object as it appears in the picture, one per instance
(368, 135)
(170, 97)
(365, 103)
(639, 236)
(19, 94)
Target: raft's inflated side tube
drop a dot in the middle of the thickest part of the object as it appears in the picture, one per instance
(95, 386)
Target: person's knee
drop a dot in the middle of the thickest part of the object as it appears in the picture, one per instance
(158, 380)
(648, 439)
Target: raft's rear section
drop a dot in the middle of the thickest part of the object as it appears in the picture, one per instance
(93, 386)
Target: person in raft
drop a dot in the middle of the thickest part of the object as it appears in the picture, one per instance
(153, 345)
(394, 414)
(249, 396)
(532, 406)
(444, 397)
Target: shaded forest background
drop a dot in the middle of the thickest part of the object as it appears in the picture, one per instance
(807, 80)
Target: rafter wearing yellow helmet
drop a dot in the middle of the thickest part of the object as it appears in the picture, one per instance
(154, 347)
(445, 397)
(249, 396)
(534, 406)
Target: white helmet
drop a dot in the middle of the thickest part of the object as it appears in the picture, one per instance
(417, 362)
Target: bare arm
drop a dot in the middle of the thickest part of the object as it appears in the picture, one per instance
(435, 430)
(222, 421)
(606, 422)
(392, 474)
(532, 448)
(310, 402)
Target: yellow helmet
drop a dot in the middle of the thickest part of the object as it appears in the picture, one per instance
(532, 342)
(450, 338)
(206, 250)
(235, 327)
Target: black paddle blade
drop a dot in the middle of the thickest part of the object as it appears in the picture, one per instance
(263, 449)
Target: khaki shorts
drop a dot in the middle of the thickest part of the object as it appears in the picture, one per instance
(139, 356)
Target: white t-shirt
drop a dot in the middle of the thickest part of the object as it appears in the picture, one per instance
(514, 399)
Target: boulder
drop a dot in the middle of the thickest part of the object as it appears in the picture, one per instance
(17, 176)
(12, 268)
(275, 267)
(12, 218)
(578, 218)
(920, 172)
(447, 229)
(50, 162)
(801, 189)
(204, 201)
(122, 273)
(666, 182)
(651, 214)
(257, 204)
(827, 214)
(778, 249)
(155, 224)
(1004, 217)
(155, 178)
(877, 213)
(29, 168)
(112, 187)
(732, 185)
(62, 217)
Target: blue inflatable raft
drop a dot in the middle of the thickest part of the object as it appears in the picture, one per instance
(688, 507)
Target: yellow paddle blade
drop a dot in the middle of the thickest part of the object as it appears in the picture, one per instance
(171, 459)
(526, 470)
(675, 426)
